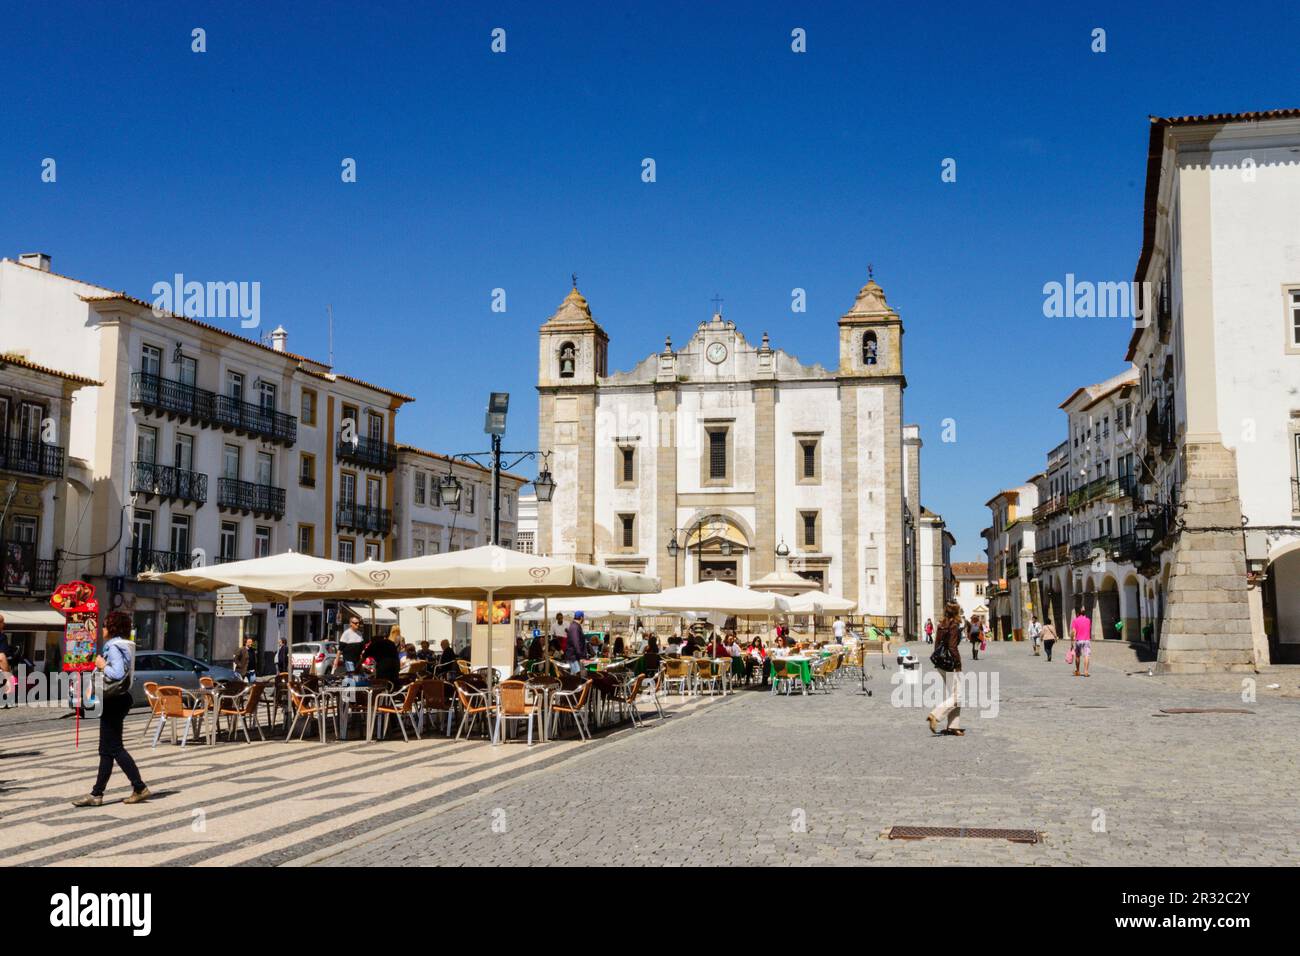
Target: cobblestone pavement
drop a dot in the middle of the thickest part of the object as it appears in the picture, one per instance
(261, 803)
(1092, 763)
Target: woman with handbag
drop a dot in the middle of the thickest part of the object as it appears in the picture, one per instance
(975, 634)
(947, 659)
(118, 664)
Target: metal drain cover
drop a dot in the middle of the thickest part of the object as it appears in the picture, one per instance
(985, 833)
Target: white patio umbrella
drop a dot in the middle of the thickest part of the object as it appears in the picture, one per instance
(818, 602)
(492, 573)
(452, 609)
(277, 577)
(717, 596)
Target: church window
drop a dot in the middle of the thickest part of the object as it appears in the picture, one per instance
(568, 360)
(807, 459)
(809, 528)
(869, 348)
(718, 454)
(628, 461)
(628, 524)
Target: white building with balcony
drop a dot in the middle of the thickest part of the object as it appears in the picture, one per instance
(202, 445)
(41, 489)
(1219, 360)
(429, 525)
(1097, 477)
(1010, 537)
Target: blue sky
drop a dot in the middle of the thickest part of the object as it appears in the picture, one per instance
(775, 170)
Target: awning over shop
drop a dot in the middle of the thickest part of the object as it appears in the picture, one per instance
(30, 615)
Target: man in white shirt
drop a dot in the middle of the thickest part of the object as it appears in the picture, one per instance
(351, 644)
(839, 630)
(1035, 633)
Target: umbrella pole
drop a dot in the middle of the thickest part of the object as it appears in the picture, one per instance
(288, 616)
(491, 671)
(546, 633)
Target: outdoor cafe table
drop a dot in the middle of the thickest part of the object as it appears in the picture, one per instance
(212, 697)
(342, 694)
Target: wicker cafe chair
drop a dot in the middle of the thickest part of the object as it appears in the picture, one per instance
(573, 703)
(474, 703)
(651, 688)
(513, 704)
(173, 709)
(400, 704)
(780, 677)
(626, 696)
(245, 709)
(307, 707)
(155, 705)
(705, 674)
(278, 699)
(677, 672)
(437, 697)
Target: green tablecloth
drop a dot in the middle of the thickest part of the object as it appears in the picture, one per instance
(804, 668)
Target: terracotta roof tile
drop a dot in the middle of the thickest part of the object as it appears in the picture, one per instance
(7, 359)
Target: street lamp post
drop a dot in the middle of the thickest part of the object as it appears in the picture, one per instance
(495, 425)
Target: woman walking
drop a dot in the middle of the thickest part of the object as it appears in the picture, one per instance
(1049, 638)
(947, 658)
(975, 634)
(118, 664)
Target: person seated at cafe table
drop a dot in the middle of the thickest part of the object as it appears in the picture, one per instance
(447, 659)
(674, 644)
(692, 645)
(619, 650)
(650, 658)
(733, 645)
(756, 657)
(535, 649)
(717, 647)
(425, 653)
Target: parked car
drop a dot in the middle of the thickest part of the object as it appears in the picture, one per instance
(171, 669)
(314, 656)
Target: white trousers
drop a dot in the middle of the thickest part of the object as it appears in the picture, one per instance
(951, 706)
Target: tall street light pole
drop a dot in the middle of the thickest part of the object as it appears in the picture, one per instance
(495, 425)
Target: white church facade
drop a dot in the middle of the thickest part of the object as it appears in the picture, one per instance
(726, 460)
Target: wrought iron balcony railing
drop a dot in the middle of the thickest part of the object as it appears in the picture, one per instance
(164, 481)
(22, 572)
(31, 457)
(1052, 506)
(199, 405)
(246, 496)
(148, 559)
(355, 517)
(367, 452)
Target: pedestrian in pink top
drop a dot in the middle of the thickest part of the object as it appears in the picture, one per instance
(1081, 630)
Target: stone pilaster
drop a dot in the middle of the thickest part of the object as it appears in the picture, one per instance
(1207, 612)
(850, 548)
(762, 559)
(585, 540)
(545, 442)
(893, 498)
(665, 453)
